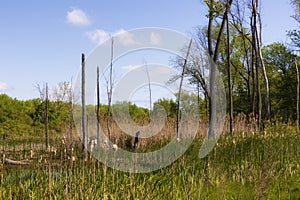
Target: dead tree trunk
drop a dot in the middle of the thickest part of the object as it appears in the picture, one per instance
(109, 90)
(263, 68)
(180, 86)
(229, 79)
(149, 87)
(256, 61)
(71, 112)
(297, 92)
(98, 107)
(83, 106)
(46, 117)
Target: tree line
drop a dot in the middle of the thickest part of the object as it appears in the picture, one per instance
(27, 117)
(260, 81)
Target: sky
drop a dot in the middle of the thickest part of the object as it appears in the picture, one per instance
(42, 41)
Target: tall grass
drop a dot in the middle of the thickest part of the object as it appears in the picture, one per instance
(244, 166)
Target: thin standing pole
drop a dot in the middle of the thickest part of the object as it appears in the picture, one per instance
(98, 107)
(46, 118)
(109, 91)
(71, 111)
(83, 105)
(149, 86)
(298, 85)
(180, 86)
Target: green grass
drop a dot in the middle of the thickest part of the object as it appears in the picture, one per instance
(260, 166)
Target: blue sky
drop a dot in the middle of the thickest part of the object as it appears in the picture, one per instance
(42, 41)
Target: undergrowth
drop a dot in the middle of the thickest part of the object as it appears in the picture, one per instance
(243, 166)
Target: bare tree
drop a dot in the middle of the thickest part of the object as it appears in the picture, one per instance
(42, 90)
(98, 107)
(263, 68)
(109, 89)
(83, 105)
(149, 86)
(296, 5)
(180, 86)
(255, 60)
(229, 78)
(70, 100)
(297, 93)
(62, 91)
(44, 96)
(46, 117)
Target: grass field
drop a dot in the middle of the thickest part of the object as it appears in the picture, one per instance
(243, 166)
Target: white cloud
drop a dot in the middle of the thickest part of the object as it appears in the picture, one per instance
(155, 39)
(125, 37)
(4, 86)
(77, 17)
(99, 36)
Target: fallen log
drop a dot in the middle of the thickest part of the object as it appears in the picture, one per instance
(14, 162)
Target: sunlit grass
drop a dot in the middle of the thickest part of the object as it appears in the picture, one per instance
(245, 166)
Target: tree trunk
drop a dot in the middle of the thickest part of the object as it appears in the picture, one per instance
(179, 92)
(255, 55)
(71, 112)
(149, 87)
(253, 102)
(297, 103)
(83, 106)
(213, 59)
(109, 90)
(264, 73)
(98, 107)
(229, 80)
(46, 117)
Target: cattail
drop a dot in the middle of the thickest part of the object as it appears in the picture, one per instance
(31, 153)
(41, 159)
(115, 147)
(234, 142)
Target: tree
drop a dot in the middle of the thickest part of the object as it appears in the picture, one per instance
(297, 93)
(16, 116)
(109, 89)
(83, 106)
(296, 6)
(180, 86)
(295, 38)
(169, 105)
(215, 8)
(229, 79)
(258, 33)
(98, 106)
(294, 35)
(44, 95)
(46, 116)
(282, 73)
(245, 66)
